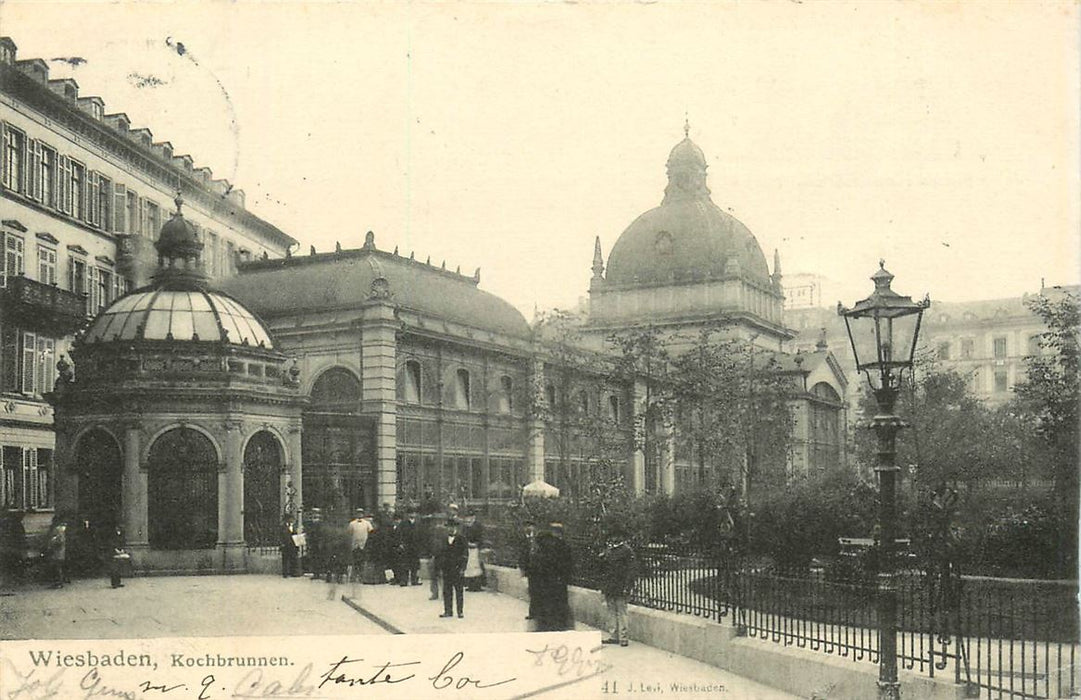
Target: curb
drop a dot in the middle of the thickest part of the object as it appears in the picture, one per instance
(372, 616)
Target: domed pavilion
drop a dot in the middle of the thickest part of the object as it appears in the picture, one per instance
(687, 263)
(180, 421)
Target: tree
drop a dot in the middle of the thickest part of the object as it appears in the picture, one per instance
(1049, 397)
(1050, 392)
(723, 400)
(585, 442)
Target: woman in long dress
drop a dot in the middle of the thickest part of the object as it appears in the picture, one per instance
(474, 569)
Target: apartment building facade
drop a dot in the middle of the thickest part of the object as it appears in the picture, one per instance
(83, 196)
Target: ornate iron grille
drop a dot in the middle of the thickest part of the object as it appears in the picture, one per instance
(183, 491)
(99, 467)
(262, 490)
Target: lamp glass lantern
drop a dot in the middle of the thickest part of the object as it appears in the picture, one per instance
(884, 329)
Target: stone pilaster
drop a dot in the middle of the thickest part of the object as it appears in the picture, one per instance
(67, 481)
(134, 498)
(231, 498)
(378, 357)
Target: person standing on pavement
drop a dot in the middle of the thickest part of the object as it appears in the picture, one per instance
(315, 533)
(360, 528)
(397, 551)
(288, 546)
(409, 562)
(451, 559)
(553, 568)
(436, 538)
(58, 552)
(526, 554)
(474, 537)
(617, 580)
(118, 557)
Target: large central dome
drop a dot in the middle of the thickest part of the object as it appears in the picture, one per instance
(687, 237)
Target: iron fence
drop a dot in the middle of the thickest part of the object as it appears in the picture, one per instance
(999, 638)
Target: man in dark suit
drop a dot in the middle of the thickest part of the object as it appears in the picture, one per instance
(406, 562)
(552, 571)
(451, 559)
(288, 546)
(527, 552)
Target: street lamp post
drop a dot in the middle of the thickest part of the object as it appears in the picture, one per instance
(883, 330)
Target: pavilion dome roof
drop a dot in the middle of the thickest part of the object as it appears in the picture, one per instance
(178, 315)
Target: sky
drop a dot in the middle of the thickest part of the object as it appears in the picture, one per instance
(942, 137)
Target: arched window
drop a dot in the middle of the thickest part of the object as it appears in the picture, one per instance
(336, 391)
(461, 398)
(825, 391)
(99, 467)
(182, 491)
(506, 394)
(409, 384)
(262, 489)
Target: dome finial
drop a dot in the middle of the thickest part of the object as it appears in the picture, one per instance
(178, 200)
(686, 126)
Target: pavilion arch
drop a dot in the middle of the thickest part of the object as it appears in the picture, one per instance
(264, 458)
(182, 489)
(274, 430)
(97, 461)
(181, 424)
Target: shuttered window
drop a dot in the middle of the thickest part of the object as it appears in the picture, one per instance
(120, 208)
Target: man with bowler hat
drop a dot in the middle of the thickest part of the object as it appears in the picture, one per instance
(451, 560)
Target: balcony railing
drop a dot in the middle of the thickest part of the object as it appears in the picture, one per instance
(44, 306)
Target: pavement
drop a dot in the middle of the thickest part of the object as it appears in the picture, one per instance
(177, 606)
(266, 605)
(636, 668)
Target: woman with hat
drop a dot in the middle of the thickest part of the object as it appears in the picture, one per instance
(474, 535)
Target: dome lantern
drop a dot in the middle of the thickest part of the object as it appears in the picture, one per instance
(686, 170)
(179, 250)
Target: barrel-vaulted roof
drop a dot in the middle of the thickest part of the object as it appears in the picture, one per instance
(343, 279)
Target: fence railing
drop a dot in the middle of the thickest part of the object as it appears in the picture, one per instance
(1000, 638)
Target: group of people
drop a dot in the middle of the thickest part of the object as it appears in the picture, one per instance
(371, 548)
(547, 563)
(386, 547)
(83, 547)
